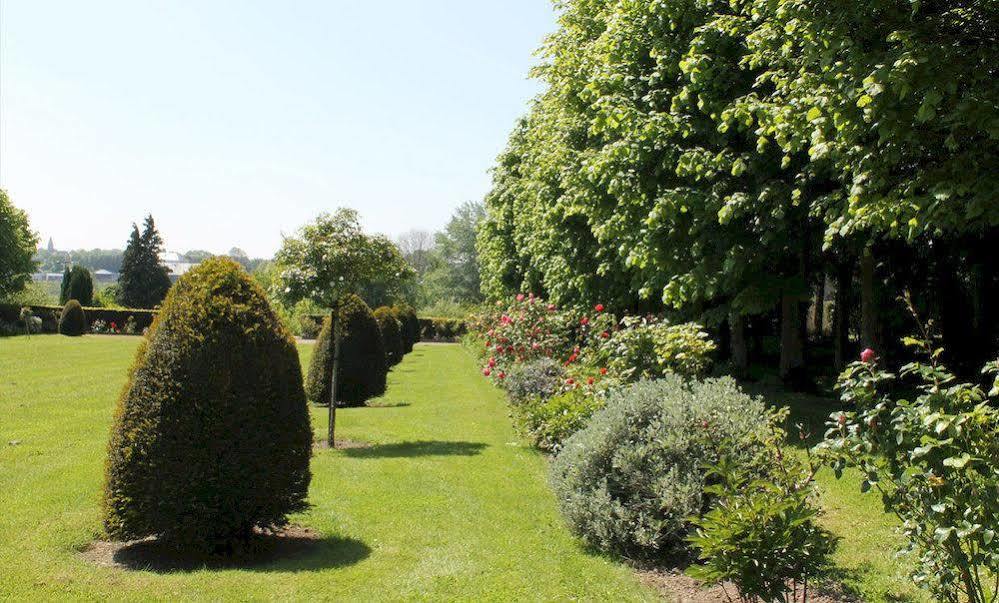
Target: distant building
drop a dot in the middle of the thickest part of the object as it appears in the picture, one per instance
(176, 263)
(44, 277)
(105, 276)
(51, 245)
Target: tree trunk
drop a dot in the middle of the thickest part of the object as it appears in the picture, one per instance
(792, 348)
(818, 309)
(331, 430)
(870, 315)
(841, 314)
(737, 339)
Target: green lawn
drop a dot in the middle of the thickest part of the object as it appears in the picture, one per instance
(446, 504)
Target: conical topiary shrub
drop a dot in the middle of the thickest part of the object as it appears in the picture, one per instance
(73, 320)
(391, 330)
(362, 357)
(410, 326)
(211, 435)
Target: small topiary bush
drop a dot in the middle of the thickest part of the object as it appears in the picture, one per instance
(73, 320)
(410, 326)
(362, 357)
(211, 435)
(391, 330)
(541, 378)
(633, 477)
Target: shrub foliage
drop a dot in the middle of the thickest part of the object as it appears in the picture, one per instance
(362, 357)
(78, 284)
(410, 326)
(73, 320)
(211, 435)
(391, 330)
(630, 481)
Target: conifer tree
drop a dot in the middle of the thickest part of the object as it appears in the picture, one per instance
(143, 282)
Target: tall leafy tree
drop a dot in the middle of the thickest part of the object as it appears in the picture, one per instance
(456, 247)
(143, 282)
(17, 248)
(330, 258)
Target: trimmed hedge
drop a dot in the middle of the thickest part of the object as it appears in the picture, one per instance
(211, 435)
(50, 315)
(363, 368)
(442, 329)
(391, 330)
(73, 320)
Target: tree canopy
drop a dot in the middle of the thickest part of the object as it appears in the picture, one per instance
(716, 159)
(17, 248)
(332, 257)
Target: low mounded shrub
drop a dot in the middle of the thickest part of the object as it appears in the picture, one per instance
(391, 330)
(73, 320)
(549, 422)
(362, 357)
(541, 378)
(633, 477)
(211, 435)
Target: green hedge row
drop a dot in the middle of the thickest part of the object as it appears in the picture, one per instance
(442, 329)
(50, 316)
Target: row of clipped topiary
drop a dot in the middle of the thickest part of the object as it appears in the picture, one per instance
(370, 344)
(211, 439)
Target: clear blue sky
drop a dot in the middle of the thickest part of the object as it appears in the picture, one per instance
(232, 122)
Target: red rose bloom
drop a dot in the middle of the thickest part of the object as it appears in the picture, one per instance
(603, 371)
(599, 307)
(868, 355)
(486, 372)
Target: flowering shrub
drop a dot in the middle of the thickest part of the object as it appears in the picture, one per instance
(130, 328)
(934, 460)
(550, 421)
(525, 330)
(647, 348)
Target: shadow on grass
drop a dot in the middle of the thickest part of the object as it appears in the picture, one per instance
(811, 411)
(417, 448)
(298, 551)
(390, 405)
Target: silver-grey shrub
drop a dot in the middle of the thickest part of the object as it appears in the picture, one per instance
(541, 378)
(629, 481)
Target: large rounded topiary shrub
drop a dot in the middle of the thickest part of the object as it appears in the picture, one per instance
(73, 320)
(391, 330)
(362, 357)
(410, 326)
(211, 435)
(629, 481)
